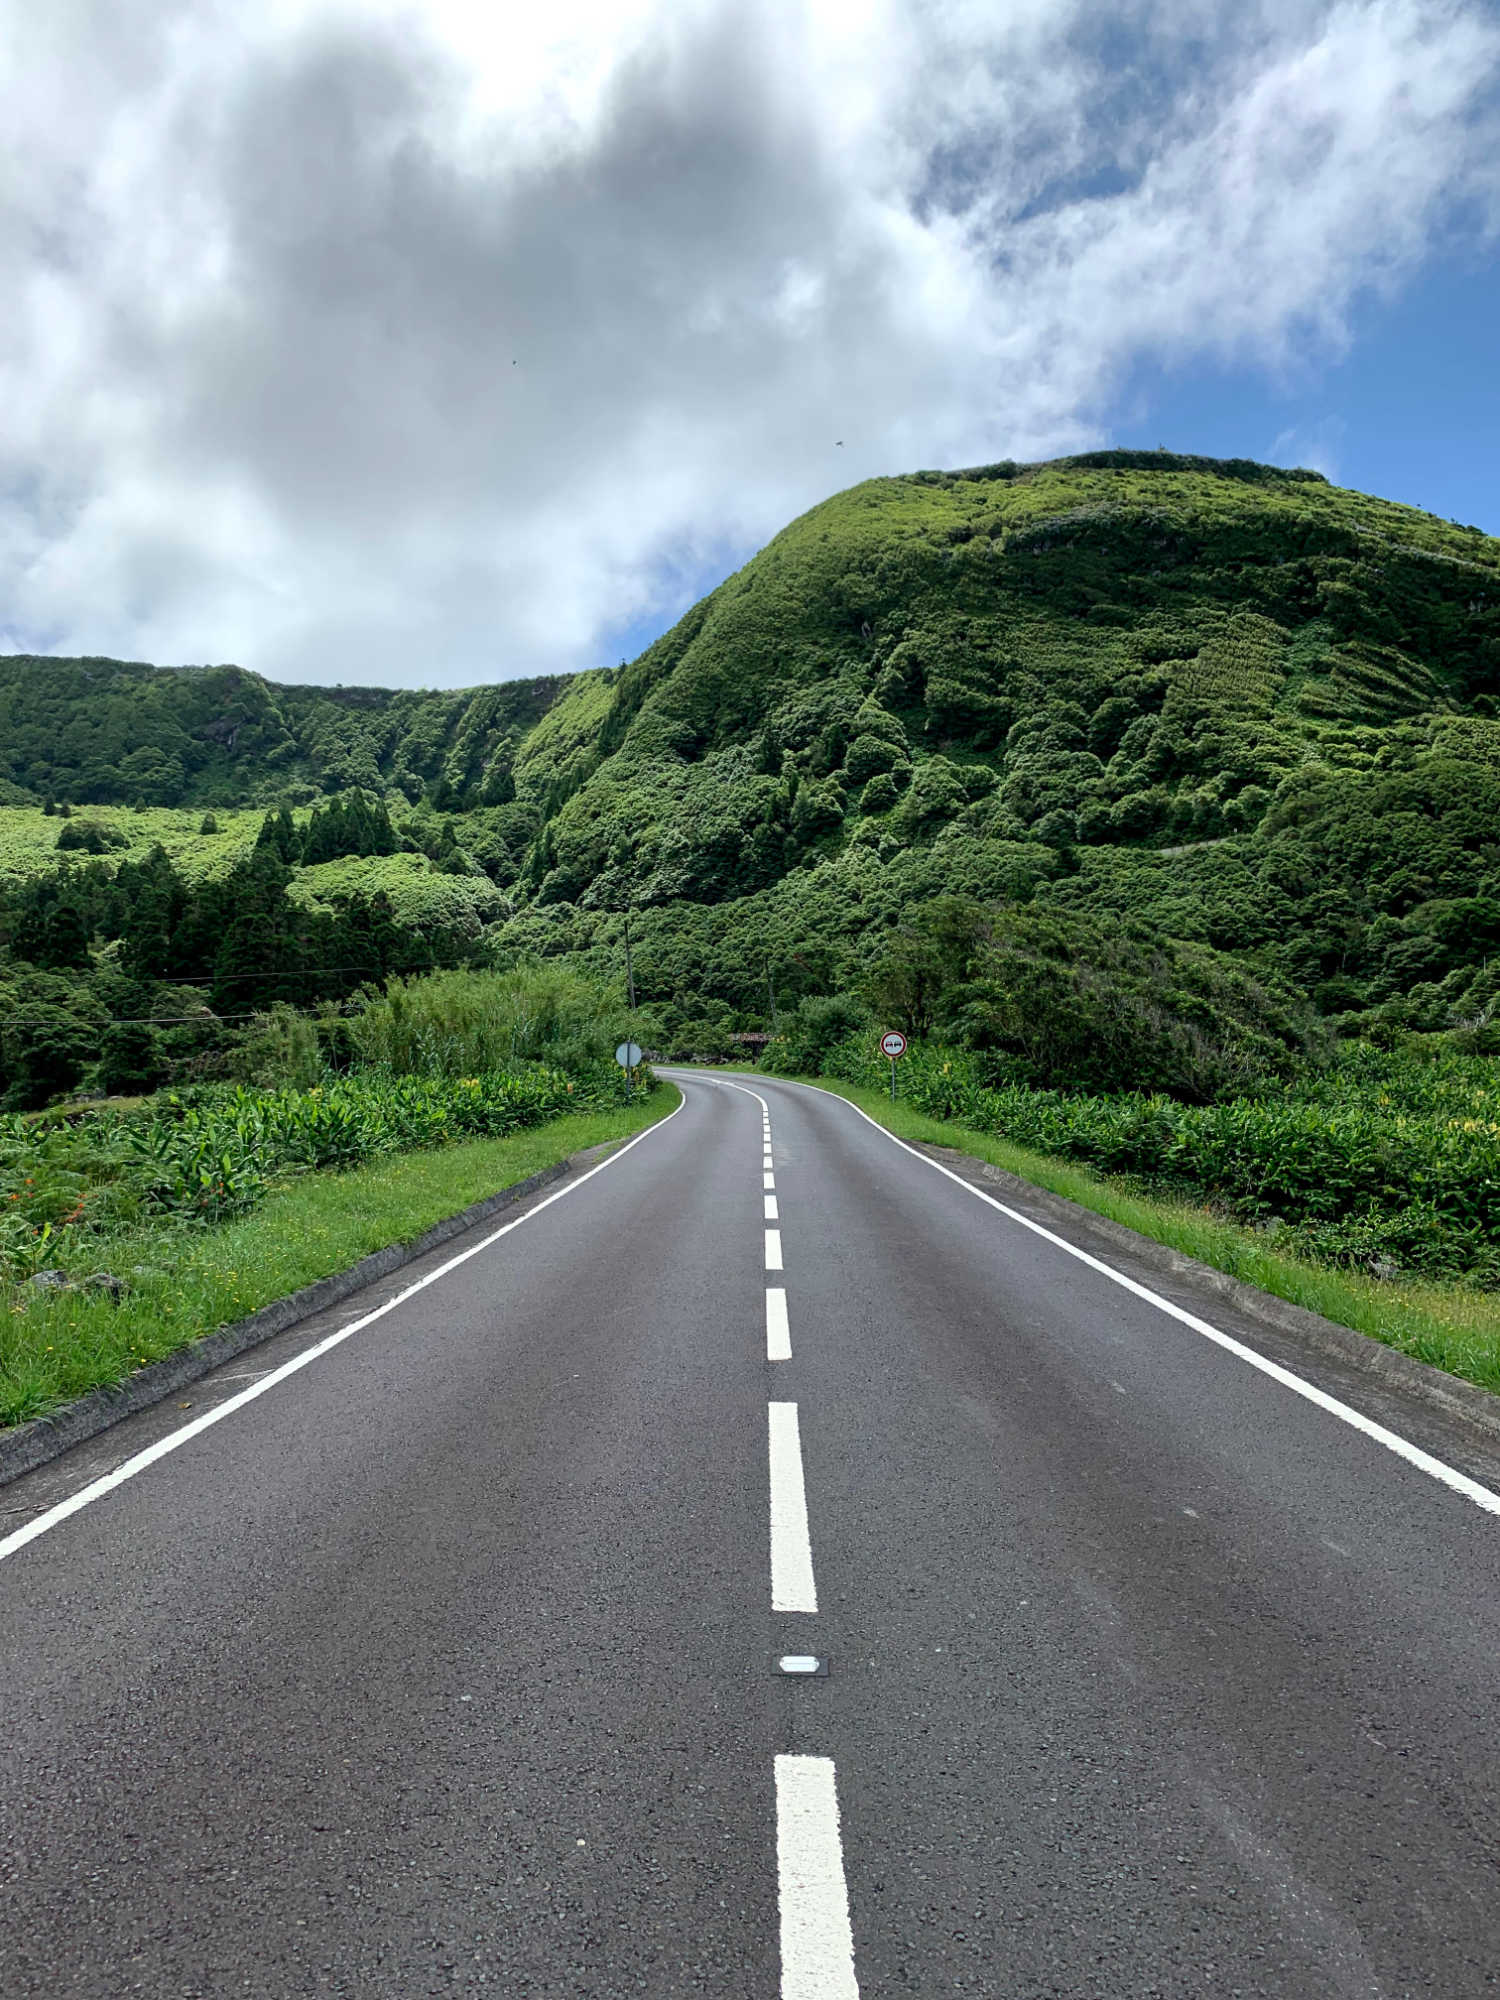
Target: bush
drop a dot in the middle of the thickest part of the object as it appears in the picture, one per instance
(461, 1023)
(879, 795)
(87, 836)
(130, 1058)
(216, 1153)
(869, 756)
(1387, 1160)
(810, 1034)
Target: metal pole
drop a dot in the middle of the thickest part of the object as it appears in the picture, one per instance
(893, 1079)
(629, 968)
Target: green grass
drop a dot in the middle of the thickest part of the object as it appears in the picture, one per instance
(188, 1282)
(28, 838)
(1452, 1327)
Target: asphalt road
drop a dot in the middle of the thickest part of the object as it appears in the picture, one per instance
(448, 1661)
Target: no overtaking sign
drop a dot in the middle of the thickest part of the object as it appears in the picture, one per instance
(893, 1044)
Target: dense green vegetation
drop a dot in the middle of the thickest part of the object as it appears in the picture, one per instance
(1153, 795)
(1384, 1162)
(437, 1059)
(1449, 1325)
(114, 1218)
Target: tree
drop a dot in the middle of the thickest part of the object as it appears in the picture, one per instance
(130, 1058)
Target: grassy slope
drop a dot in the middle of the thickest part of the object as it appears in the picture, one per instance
(190, 1282)
(1449, 1326)
(419, 891)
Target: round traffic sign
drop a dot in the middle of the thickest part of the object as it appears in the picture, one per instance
(893, 1044)
(628, 1054)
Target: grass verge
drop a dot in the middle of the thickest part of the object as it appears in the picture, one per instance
(1453, 1327)
(186, 1282)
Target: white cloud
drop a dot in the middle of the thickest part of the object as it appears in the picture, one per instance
(377, 343)
(1316, 445)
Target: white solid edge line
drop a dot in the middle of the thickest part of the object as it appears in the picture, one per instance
(1446, 1475)
(18, 1539)
(773, 1250)
(792, 1586)
(817, 1944)
(778, 1328)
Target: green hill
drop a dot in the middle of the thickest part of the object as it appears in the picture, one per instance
(117, 732)
(1237, 705)
(1217, 701)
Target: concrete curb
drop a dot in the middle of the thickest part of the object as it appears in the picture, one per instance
(1454, 1397)
(30, 1445)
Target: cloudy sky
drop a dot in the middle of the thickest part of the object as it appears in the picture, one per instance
(434, 344)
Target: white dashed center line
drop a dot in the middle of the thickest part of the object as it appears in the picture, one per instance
(773, 1250)
(768, 1179)
(792, 1587)
(817, 1945)
(778, 1330)
(771, 1208)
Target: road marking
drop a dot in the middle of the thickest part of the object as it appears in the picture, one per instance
(792, 1586)
(768, 1179)
(9, 1544)
(817, 1945)
(1446, 1475)
(773, 1250)
(771, 1215)
(778, 1329)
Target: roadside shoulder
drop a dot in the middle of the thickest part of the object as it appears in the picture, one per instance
(1104, 1238)
(35, 1444)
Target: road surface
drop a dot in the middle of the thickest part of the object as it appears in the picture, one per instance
(444, 1657)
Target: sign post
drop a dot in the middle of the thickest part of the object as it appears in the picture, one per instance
(893, 1045)
(627, 1055)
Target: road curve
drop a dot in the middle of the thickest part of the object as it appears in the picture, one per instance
(451, 1661)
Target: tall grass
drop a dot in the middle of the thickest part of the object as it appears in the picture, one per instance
(463, 1023)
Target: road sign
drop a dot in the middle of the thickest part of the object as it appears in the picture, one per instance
(627, 1055)
(893, 1044)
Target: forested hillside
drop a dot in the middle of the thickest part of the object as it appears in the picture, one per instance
(1233, 705)
(118, 732)
(1137, 694)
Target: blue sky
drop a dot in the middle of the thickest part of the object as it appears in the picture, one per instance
(417, 343)
(1410, 411)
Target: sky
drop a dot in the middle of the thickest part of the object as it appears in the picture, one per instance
(442, 343)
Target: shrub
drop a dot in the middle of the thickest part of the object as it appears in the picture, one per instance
(460, 1023)
(810, 1034)
(870, 755)
(87, 836)
(130, 1058)
(879, 795)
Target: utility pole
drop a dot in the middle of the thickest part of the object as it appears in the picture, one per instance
(771, 996)
(629, 968)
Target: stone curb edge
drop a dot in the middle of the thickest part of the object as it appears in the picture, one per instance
(1450, 1394)
(37, 1443)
